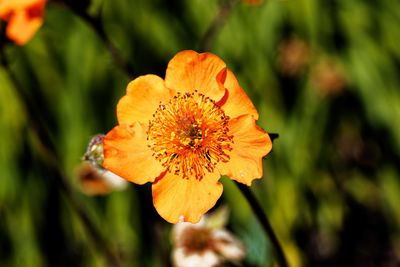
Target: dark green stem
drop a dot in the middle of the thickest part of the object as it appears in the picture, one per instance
(208, 39)
(96, 24)
(48, 151)
(263, 219)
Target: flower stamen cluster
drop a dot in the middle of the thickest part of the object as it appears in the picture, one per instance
(189, 135)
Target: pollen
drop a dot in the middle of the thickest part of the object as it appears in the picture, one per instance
(189, 135)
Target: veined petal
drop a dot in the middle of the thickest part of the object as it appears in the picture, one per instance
(127, 155)
(143, 96)
(250, 144)
(237, 102)
(175, 197)
(189, 71)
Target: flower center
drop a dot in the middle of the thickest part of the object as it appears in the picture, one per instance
(197, 240)
(189, 135)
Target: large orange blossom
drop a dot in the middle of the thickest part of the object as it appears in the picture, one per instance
(182, 133)
(24, 18)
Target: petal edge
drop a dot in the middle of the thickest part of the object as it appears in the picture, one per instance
(127, 155)
(175, 197)
(189, 71)
(251, 144)
(143, 96)
(237, 103)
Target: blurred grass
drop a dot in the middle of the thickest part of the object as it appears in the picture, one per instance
(331, 185)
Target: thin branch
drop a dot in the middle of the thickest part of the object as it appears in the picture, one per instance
(38, 127)
(263, 219)
(209, 37)
(96, 24)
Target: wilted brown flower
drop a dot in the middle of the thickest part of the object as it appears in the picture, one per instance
(207, 243)
(294, 54)
(93, 178)
(328, 77)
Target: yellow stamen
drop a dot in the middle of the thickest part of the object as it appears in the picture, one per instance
(189, 135)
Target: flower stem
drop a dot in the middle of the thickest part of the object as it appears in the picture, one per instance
(263, 219)
(48, 151)
(96, 24)
(208, 39)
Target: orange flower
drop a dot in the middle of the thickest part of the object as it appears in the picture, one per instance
(294, 54)
(24, 18)
(184, 132)
(253, 2)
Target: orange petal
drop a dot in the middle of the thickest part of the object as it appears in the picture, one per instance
(175, 197)
(254, 2)
(21, 27)
(143, 96)
(189, 71)
(237, 102)
(5, 9)
(127, 155)
(250, 144)
(9, 6)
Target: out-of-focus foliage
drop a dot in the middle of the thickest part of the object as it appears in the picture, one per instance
(323, 74)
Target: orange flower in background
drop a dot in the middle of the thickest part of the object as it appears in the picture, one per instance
(328, 76)
(294, 54)
(253, 2)
(183, 133)
(24, 18)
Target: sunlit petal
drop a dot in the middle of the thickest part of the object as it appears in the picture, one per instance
(189, 71)
(143, 96)
(237, 102)
(175, 197)
(127, 154)
(250, 144)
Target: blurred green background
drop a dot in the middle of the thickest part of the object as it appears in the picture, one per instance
(325, 75)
